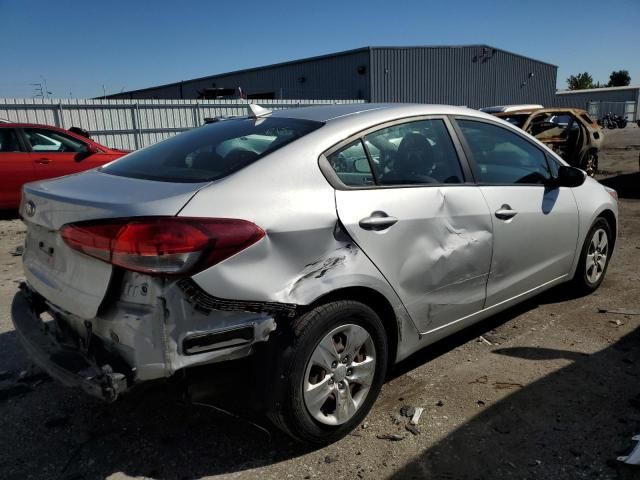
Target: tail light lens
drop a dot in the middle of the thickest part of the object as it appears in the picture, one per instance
(162, 245)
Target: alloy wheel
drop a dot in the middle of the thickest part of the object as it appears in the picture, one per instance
(597, 255)
(339, 374)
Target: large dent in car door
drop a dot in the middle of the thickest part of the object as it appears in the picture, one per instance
(437, 256)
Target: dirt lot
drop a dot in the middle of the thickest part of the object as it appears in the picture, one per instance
(552, 392)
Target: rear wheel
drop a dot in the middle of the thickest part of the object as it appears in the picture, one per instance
(594, 257)
(330, 371)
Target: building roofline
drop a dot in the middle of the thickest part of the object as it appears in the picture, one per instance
(245, 70)
(399, 47)
(601, 89)
(370, 49)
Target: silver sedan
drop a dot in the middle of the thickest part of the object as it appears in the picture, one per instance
(343, 238)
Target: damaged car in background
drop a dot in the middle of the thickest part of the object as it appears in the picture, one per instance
(570, 132)
(341, 239)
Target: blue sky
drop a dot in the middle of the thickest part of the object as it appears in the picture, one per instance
(80, 46)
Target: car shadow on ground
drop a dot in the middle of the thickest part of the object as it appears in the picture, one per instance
(572, 423)
(57, 433)
(8, 214)
(627, 185)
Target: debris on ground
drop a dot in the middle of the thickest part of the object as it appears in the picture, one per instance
(330, 458)
(439, 403)
(482, 339)
(634, 457)
(392, 437)
(481, 380)
(481, 403)
(17, 252)
(616, 322)
(507, 385)
(619, 311)
(412, 429)
(407, 411)
(415, 418)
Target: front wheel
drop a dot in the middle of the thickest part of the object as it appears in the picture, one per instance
(594, 257)
(331, 370)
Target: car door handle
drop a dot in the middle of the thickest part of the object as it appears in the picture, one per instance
(505, 212)
(43, 161)
(377, 221)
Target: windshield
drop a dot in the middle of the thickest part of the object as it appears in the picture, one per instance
(212, 151)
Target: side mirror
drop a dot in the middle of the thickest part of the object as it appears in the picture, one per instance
(570, 177)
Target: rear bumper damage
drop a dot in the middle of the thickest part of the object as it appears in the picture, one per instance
(149, 333)
(52, 350)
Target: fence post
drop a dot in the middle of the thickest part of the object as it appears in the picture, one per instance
(196, 114)
(136, 131)
(60, 119)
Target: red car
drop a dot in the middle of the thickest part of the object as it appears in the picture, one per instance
(31, 152)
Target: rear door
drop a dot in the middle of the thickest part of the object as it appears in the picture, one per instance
(403, 196)
(54, 153)
(535, 225)
(16, 168)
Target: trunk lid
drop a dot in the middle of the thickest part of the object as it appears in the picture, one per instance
(70, 280)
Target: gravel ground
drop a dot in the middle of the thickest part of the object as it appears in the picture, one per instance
(552, 392)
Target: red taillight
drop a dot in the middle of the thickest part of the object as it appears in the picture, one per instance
(162, 245)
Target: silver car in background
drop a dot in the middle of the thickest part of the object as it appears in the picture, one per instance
(343, 238)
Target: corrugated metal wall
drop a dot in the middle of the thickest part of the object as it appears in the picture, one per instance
(475, 76)
(132, 125)
(324, 78)
(580, 99)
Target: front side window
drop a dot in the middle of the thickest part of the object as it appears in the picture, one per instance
(412, 153)
(212, 151)
(8, 140)
(502, 156)
(42, 140)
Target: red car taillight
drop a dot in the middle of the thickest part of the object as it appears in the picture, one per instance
(162, 245)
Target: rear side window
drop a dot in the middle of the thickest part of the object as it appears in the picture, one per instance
(414, 153)
(212, 151)
(503, 157)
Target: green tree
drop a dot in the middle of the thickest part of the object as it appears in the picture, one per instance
(619, 78)
(580, 81)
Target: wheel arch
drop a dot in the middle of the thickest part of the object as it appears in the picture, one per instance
(375, 300)
(610, 217)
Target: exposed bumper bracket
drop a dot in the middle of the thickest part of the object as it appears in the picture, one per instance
(205, 302)
(46, 347)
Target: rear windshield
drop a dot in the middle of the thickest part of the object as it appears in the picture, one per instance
(212, 151)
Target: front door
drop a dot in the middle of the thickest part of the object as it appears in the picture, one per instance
(535, 226)
(406, 204)
(54, 153)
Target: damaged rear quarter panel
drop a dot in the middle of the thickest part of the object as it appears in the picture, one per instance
(303, 256)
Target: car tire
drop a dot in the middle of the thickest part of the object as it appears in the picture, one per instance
(301, 354)
(586, 279)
